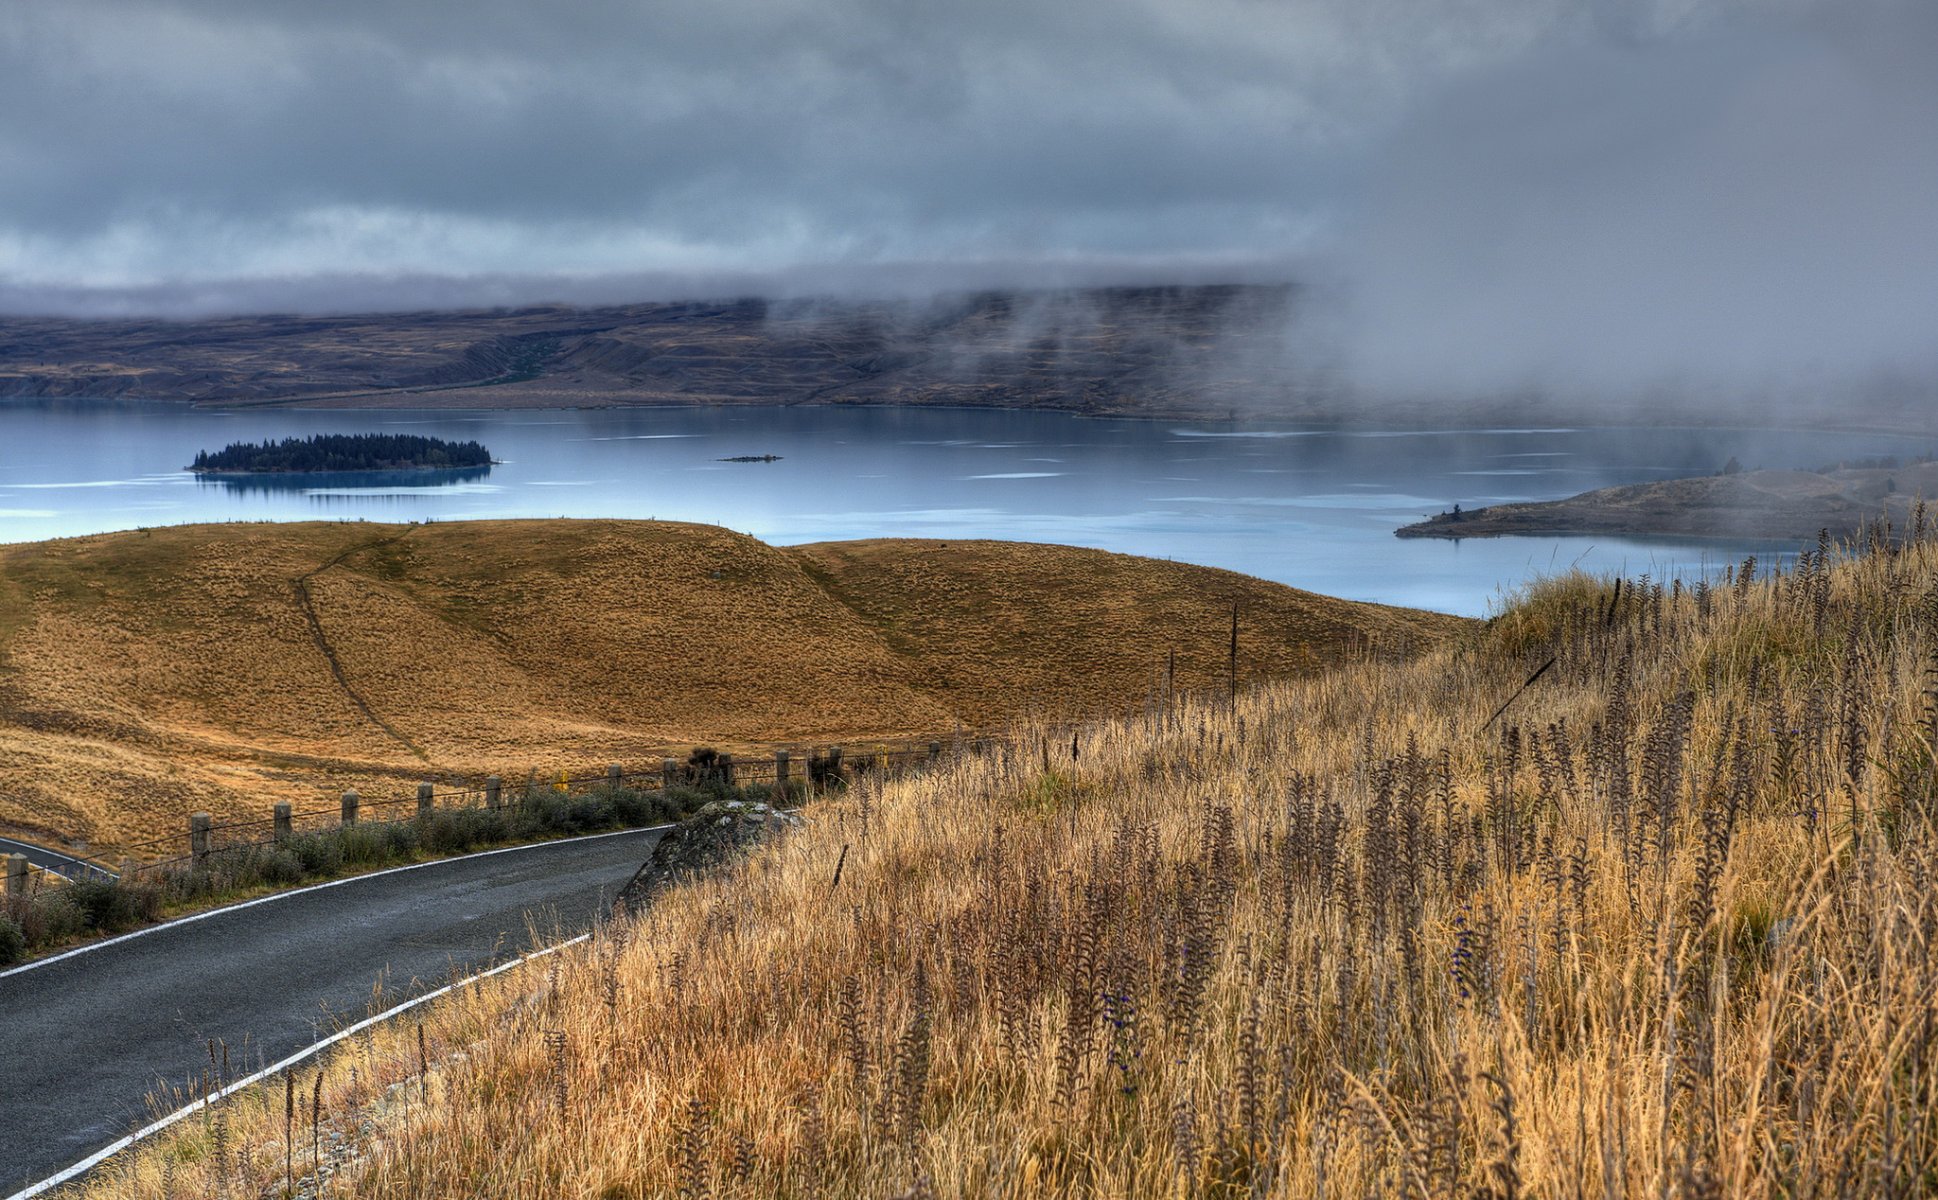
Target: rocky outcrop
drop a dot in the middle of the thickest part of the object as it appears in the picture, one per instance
(717, 834)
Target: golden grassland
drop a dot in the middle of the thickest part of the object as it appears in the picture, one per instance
(1664, 930)
(150, 674)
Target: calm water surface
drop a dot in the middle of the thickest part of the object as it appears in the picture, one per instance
(1311, 508)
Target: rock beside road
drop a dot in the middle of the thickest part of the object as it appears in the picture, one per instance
(715, 835)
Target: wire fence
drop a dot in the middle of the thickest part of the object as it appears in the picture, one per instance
(204, 836)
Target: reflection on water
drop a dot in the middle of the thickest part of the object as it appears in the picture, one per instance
(345, 483)
(1315, 508)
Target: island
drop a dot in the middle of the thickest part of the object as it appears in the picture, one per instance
(1779, 505)
(753, 458)
(333, 452)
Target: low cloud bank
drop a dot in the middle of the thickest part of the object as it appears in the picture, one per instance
(1688, 201)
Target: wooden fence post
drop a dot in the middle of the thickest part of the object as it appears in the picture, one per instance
(200, 826)
(284, 820)
(834, 764)
(935, 751)
(667, 769)
(494, 791)
(16, 874)
(615, 776)
(725, 762)
(350, 802)
(780, 770)
(426, 798)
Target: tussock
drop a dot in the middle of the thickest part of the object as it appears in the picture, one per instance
(1664, 929)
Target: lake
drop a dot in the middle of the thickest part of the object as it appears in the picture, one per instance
(1312, 508)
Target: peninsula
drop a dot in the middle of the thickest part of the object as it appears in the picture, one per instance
(1779, 505)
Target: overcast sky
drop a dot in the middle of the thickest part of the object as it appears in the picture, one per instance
(1492, 190)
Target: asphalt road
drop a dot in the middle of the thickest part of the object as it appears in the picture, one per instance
(86, 1040)
(53, 860)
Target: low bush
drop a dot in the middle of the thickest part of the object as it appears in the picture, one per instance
(47, 917)
(13, 943)
(107, 907)
(280, 866)
(319, 853)
(456, 831)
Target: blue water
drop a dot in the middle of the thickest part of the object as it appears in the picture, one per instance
(1311, 508)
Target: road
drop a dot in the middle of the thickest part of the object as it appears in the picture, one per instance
(53, 860)
(86, 1039)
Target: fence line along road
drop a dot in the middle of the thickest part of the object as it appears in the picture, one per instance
(205, 836)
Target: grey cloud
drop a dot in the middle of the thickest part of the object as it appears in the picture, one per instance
(1480, 195)
(154, 141)
(1752, 209)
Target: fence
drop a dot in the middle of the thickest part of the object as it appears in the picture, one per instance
(204, 836)
(23, 877)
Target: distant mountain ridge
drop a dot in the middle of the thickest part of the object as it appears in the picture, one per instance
(1179, 351)
(1191, 352)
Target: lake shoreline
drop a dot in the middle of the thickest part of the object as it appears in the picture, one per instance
(1311, 507)
(1359, 422)
(1770, 505)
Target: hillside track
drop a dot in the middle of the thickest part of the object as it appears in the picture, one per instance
(91, 1037)
(307, 602)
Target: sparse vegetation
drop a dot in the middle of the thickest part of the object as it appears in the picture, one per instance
(343, 452)
(1663, 928)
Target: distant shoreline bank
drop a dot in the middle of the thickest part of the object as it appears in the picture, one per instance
(1769, 505)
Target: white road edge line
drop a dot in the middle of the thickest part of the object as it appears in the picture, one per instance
(314, 887)
(106, 1152)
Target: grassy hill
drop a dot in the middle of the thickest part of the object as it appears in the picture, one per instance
(1664, 929)
(150, 674)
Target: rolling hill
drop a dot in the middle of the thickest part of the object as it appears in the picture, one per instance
(149, 674)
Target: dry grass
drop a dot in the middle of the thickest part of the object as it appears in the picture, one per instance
(147, 675)
(996, 627)
(1663, 931)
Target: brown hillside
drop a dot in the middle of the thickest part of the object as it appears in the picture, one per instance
(993, 629)
(146, 675)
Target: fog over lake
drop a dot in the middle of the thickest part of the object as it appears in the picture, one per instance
(1312, 508)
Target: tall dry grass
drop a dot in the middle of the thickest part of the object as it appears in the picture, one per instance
(1664, 929)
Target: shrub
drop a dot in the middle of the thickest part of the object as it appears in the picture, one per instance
(144, 900)
(279, 866)
(105, 904)
(320, 853)
(454, 831)
(13, 943)
(50, 917)
(632, 807)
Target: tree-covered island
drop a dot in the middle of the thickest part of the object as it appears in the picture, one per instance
(343, 452)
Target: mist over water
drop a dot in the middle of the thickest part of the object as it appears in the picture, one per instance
(1308, 507)
(1611, 209)
(1741, 212)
